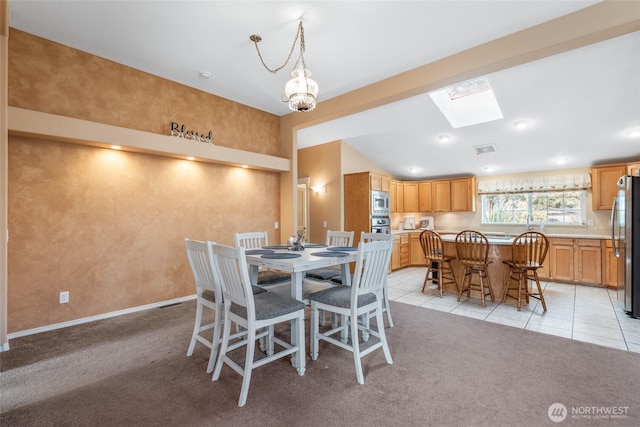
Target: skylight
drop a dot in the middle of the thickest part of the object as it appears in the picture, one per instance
(468, 103)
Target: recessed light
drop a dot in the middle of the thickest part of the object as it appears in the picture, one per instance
(562, 160)
(633, 133)
(444, 138)
(488, 169)
(521, 124)
(205, 74)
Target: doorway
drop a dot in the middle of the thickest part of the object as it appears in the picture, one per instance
(303, 207)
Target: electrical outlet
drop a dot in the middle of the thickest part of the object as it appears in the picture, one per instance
(324, 224)
(64, 297)
(276, 225)
(589, 223)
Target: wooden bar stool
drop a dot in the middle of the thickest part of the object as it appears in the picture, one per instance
(473, 252)
(438, 264)
(528, 253)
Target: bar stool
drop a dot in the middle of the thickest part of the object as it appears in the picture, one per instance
(529, 250)
(438, 264)
(473, 252)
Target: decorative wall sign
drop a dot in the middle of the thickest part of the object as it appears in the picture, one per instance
(181, 131)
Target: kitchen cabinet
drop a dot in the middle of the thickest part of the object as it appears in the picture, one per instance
(399, 197)
(410, 197)
(357, 201)
(604, 185)
(404, 250)
(633, 169)
(463, 194)
(424, 196)
(561, 256)
(588, 261)
(395, 254)
(393, 196)
(441, 196)
(380, 182)
(610, 266)
(415, 250)
(576, 260)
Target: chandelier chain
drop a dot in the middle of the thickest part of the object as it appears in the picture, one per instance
(299, 35)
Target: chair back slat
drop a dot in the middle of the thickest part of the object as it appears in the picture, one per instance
(432, 246)
(529, 249)
(472, 247)
(372, 268)
(202, 267)
(339, 238)
(232, 267)
(252, 240)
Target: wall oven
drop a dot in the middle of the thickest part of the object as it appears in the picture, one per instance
(380, 225)
(380, 203)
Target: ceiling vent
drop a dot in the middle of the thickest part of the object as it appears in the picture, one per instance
(485, 149)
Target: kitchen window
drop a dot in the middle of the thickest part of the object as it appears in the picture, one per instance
(566, 207)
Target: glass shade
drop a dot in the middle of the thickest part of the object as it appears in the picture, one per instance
(301, 91)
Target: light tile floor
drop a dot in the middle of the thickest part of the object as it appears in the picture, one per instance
(577, 312)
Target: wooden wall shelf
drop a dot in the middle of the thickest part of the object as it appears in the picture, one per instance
(38, 125)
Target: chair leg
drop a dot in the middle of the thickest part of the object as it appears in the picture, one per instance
(426, 276)
(215, 342)
(355, 345)
(196, 329)
(387, 307)
(383, 339)
(486, 276)
(544, 304)
(301, 353)
(223, 348)
(481, 281)
(314, 332)
(248, 366)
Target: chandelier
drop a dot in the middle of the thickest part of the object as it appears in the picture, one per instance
(301, 91)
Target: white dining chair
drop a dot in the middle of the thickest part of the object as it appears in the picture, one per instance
(374, 237)
(257, 240)
(256, 315)
(363, 298)
(208, 295)
(334, 238)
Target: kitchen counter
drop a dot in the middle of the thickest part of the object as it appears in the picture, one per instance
(501, 237)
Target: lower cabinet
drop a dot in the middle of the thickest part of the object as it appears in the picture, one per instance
(610, 266)
(395, 254)
(576, 260)
(415, 249)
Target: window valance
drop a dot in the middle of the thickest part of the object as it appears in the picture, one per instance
(581, 181)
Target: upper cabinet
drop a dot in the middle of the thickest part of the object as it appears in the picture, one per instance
(380, 182)
(410, 202)
(463, 194)
(424, 196)
(605, 185)
(441, 196)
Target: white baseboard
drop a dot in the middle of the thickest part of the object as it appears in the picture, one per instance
(60, 325)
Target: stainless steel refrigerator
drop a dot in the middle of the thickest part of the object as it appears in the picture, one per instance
(625, 236)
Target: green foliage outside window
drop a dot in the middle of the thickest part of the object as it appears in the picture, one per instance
(556, 207)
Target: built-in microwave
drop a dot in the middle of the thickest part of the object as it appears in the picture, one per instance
(380, 203)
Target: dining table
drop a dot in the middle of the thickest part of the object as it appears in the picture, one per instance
(314, 256)
(280, 257)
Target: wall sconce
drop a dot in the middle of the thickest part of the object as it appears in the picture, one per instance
(319, 189)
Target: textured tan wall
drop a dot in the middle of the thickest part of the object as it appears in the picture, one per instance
(53, 78)
(109, 226)
(321, 164)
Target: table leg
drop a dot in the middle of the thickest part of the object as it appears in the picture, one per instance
(253, 274)
(296, 293)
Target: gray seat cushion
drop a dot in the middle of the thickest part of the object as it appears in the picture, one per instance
(324, 273)
(340, 296)
(257, 290)
(269, 277)
(209, 295)
(270, 305)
